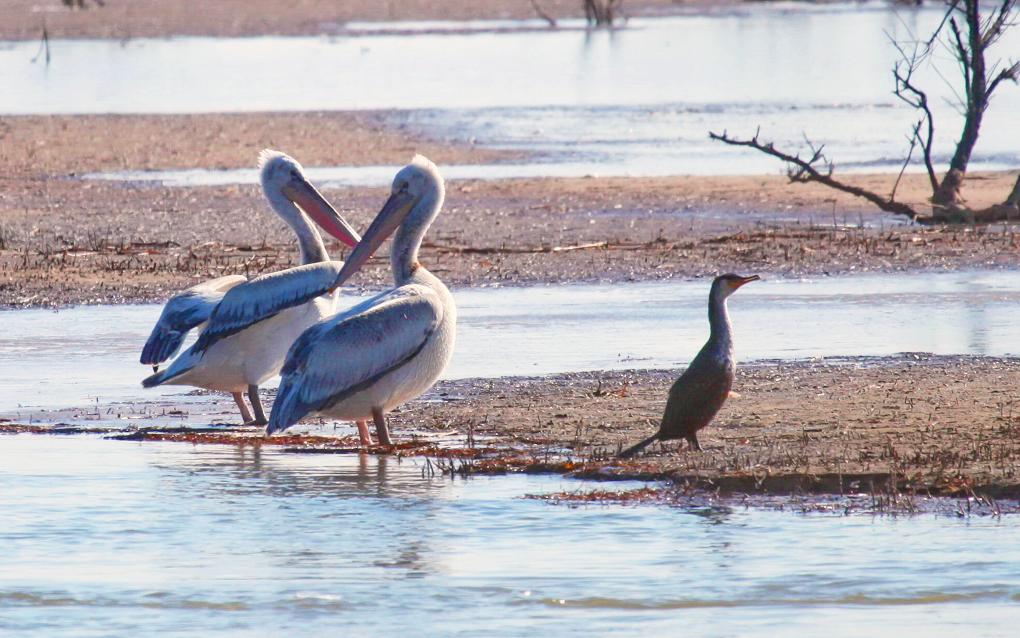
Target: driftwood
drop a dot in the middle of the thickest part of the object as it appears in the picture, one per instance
(509, 250)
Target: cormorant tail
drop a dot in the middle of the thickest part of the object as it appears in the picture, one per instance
(634, 449)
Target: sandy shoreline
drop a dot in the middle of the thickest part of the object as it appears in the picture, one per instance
(24, 19)
(62, 145)
(939, 425)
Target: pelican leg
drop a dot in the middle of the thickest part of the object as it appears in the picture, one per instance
(363, 434)
(242, 406)
(380, 427)
(256, 404)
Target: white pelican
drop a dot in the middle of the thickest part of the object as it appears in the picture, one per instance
(249, 325)
(364, 362)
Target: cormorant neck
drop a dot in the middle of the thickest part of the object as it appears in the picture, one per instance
(719, 319)
(309, 240)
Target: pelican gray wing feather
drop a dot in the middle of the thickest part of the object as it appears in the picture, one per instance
(340, 356)
(264, 297)
(182, 313)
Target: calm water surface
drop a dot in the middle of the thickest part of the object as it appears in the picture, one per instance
(638, 100)
(112, 538)
(89, 354)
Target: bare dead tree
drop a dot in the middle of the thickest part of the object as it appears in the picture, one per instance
(968, 35)
(980, 81)
(601, 13)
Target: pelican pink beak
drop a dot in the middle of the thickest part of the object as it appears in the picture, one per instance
(393, 213)
(322, 213)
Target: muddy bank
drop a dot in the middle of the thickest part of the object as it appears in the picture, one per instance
(890, 428)
(915, 423)
(68, 241)
(24, 19)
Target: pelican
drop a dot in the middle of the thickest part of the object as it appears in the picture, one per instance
(247, 326)
(389, 349)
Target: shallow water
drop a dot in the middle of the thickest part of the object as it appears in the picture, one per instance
(639, 100)
(88, 355)
(111, 538)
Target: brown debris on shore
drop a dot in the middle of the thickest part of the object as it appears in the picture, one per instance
(65, 241)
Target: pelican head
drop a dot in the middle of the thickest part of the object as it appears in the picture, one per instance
(416, 197)
(725, 285)
(281, 175)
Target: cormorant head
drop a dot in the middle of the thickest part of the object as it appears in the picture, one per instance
(725, 285)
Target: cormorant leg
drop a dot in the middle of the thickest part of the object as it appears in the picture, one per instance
(363, 434)
(693, 440)
(242, 406)
(380, 427)
(256, 404)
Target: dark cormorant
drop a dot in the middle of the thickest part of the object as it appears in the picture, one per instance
(701, 390)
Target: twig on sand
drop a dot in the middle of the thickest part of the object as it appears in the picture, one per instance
(567, 249)
(490, 250)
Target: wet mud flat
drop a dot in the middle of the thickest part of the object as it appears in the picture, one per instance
(895, 430)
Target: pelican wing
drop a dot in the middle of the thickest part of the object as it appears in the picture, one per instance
(345, 354)
(264, 297)
(181, 314)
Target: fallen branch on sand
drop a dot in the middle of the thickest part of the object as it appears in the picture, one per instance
(482, 250)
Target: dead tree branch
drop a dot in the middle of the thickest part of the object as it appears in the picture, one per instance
(803, 171)
(542, 14)
(601, 13)
(909, 93)
(906, 161)
(1014, 195)
(44, 46)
